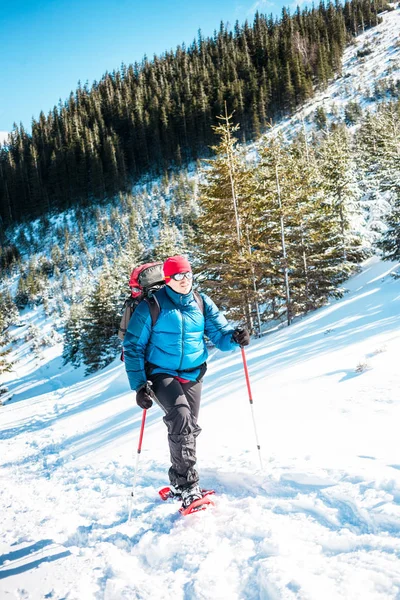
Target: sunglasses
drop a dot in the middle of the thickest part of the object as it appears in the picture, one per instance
(180, 276)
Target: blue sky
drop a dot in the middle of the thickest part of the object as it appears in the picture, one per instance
(47, 46)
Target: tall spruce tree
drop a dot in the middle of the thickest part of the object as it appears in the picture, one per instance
(5, 363)
(375, 200)
(342, 193)
(100, 342)
(73, 335)
(317, 265)
(390, 242)
(221, 227)
(8, 314)
(385, 159)
(271, 216)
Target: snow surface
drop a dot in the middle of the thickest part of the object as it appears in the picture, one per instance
(320, 521)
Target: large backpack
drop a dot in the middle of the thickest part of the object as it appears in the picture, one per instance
(144, 281)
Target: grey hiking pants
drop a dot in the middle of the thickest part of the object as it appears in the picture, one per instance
(181, 404)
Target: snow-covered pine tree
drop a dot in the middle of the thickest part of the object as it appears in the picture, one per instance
(22, 294)
(342, 194)
(390, 242)
(129, 255)
(271, 216)
(169, 242)
(221, 246)
(320, 118)
(73, 332)
(184, 207)
(303, 193)
(387, 136)
(5, 363)
(100, 342)
(8, 314)
(375, 201)
(316, 258)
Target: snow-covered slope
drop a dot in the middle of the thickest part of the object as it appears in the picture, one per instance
(321, 520)
(360, 75)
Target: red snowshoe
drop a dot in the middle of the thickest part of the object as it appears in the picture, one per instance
(196, 506)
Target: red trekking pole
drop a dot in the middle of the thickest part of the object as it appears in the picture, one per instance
(137, 462)
(246, 372)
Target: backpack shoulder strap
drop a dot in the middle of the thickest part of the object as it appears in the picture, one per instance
(154, 307)
(200, 302)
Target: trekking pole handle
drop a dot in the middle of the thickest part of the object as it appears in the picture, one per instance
(142, 430)
(246, 372)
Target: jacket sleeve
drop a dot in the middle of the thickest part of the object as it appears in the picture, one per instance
(217, 327)
(135, 343)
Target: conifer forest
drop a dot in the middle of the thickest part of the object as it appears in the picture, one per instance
(146, 117)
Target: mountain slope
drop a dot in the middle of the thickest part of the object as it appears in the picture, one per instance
(321, 520)
(365, 78)
(147, 117)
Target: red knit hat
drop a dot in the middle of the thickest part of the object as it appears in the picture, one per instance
(176, 264)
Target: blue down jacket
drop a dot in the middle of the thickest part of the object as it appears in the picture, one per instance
(175, 345)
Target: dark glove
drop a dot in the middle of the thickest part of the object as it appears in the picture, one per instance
(144, 396)
(241, 336)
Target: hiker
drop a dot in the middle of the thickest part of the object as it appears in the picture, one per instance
(171, 354)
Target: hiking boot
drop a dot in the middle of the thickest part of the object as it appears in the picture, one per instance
(189, 495)
(176, 491)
